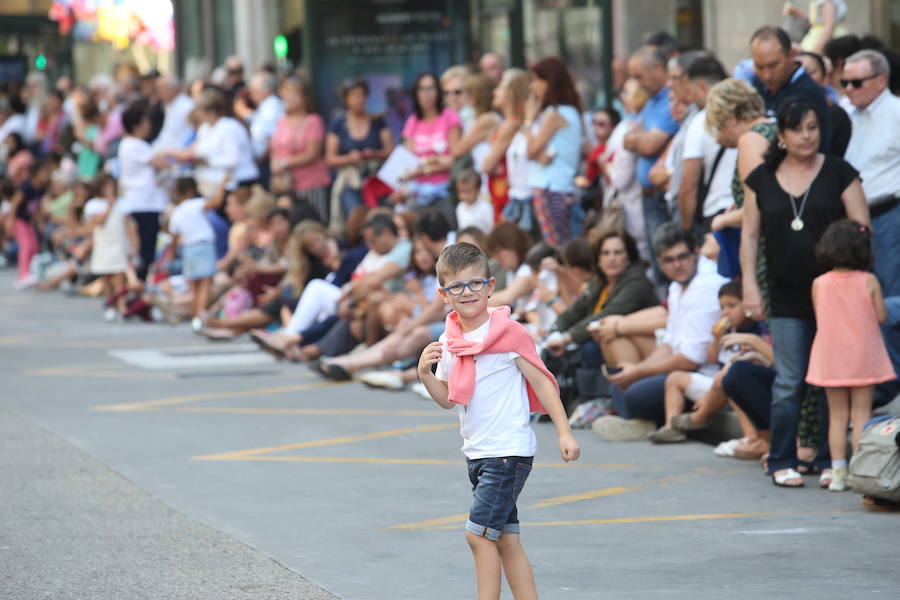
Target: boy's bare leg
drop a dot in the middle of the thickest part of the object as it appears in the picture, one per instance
(676, 384)
(117, 284)
(487, 566)
(517, 568)
(711, 403)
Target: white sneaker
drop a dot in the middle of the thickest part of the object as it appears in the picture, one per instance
(390, 380)
(613, 428)
(110, 315)
(420, 389)
(838, 479)
(196, 324)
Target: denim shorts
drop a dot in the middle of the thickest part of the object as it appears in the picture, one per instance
(496, 484)
(199, 260)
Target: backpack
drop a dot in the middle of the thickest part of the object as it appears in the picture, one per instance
(875, 466)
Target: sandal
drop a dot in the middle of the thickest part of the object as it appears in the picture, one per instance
(807, 467)
(268, 343)
(825, 478)
(786, 476)
(751, 449)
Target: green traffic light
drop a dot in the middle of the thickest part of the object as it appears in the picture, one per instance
(40, 62)
(280, 46)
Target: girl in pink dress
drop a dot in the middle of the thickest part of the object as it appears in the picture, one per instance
(848, 354)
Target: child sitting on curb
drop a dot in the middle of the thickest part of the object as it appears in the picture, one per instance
(735, 336)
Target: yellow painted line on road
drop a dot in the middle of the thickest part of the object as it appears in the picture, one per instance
(310, 411)
(174, 400)
(375, 435)
(583, 496)
(443, 522)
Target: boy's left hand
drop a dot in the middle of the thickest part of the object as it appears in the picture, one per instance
(568, 447)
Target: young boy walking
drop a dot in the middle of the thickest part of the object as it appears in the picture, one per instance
(487, 366)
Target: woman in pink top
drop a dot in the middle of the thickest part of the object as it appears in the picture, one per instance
(430, 133)
(848, 355)
(298, 147)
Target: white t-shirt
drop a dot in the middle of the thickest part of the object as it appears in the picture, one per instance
(226, 146)
(693, 311)
(517, 167)
(699, 144)
(496, 421)
(479, 214)
(189, 222)
(137, 178)
(176, 127)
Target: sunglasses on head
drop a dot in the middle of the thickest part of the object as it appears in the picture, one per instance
(856, 83)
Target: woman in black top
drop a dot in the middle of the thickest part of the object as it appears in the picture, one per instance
(355, 145)
(793, 197)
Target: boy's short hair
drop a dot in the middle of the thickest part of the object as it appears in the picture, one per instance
(186, 187)
(132, 116)
(732, 288)
(476, 233)
(468, 176)
(456, 257)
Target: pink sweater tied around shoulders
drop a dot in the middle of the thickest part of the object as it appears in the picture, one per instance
(504, 335)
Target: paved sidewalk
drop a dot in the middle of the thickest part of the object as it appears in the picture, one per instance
(73, 529)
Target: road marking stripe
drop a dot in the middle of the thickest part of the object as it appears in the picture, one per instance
(310, 411)
(583, 496)
(375, 435)
(153, 404)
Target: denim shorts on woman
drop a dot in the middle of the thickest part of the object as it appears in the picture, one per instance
(199, 260)
(496, 484)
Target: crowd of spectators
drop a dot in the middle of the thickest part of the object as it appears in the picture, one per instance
(662, 250)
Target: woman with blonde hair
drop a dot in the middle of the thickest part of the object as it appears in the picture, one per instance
(506, 163)
(298, 147)
(479, 90)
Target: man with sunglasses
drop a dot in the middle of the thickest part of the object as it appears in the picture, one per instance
(874, 151)
(778, 76)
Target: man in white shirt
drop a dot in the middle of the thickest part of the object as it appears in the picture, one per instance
(874, 150)
(268, 110)
(706, 163)
(178, 106)
(693, 311)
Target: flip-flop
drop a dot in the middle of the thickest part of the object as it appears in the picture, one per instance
(787, 475)
(825, 478)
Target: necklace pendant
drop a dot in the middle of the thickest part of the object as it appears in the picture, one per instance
(797, 224)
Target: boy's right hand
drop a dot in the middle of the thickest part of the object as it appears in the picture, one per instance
(431, 355)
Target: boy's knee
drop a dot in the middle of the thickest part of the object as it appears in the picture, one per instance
(678, 379)
(477, 542)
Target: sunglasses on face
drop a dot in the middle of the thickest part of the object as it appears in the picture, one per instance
(856, 83)
(458, 287)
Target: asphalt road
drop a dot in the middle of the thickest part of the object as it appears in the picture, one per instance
(140, 461)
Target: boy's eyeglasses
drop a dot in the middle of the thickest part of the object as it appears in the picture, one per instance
(857, 83)
(458, 287)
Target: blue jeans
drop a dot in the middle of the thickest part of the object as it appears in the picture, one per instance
(496, 484)
(791, 342)
(886, 242)
(645, 399)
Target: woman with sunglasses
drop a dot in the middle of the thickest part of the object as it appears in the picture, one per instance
(791, 199)
(430, 133)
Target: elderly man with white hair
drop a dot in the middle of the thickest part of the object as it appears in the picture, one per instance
(176, 128)
(269, 109)
(874, 150)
